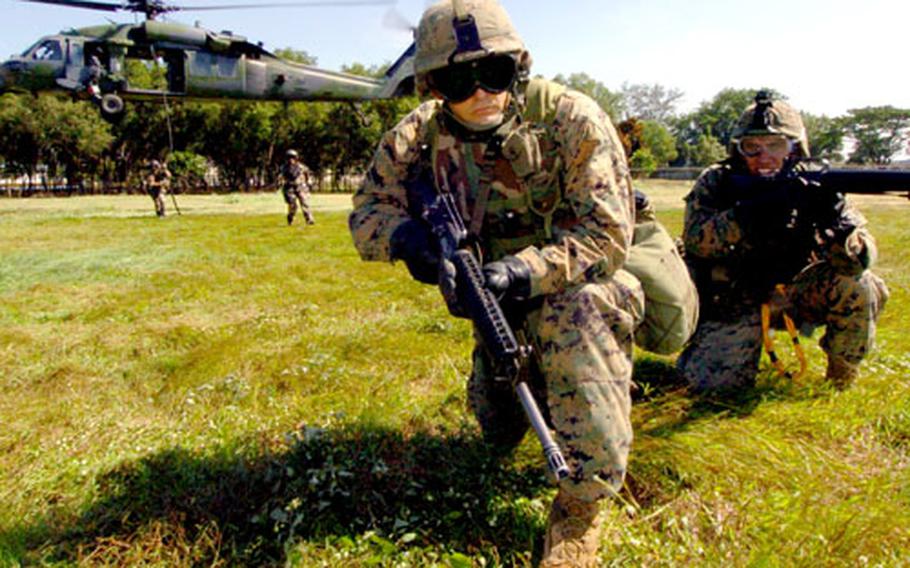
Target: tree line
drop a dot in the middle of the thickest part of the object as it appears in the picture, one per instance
(245, 142)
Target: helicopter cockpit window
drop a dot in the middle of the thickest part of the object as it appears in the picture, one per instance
(49, 50)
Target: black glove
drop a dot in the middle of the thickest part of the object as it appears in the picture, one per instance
(641, 201)
(769, 209)
(449, 289)
(414, 243)
(819, 206)
(508, 278)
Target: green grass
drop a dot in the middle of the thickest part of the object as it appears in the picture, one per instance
(220, 389)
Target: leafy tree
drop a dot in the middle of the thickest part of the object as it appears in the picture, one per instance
(61, 134)
(880, 132)
(650, 102)
(826, 136)
(706, 150)
(238, 140)
(145, 132)
(19, 134)
(146, 74)
(659, 142)
(643, 162)
(610, 102)
(296, 55)
(188, 168)
(73, 137)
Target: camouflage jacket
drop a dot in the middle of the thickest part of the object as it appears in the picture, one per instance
(294, 177)
(561, 201)
(158, 178)
(731, 266)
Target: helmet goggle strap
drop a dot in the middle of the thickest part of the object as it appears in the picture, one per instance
(761, 117)
(458, 81)
(467, 38)
(752, 146)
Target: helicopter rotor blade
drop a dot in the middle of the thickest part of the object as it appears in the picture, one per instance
(81, 4)
(302, 4)
(395, 20)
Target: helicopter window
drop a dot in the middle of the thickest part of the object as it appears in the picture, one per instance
(49, 50)
(76, 53)
(227, 66)
(202, 63)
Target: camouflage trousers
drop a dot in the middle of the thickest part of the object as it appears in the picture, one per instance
(581, 376)
(292, 198)
(157, 195)
(725, 354)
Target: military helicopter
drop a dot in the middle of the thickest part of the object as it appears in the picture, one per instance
(91, 63)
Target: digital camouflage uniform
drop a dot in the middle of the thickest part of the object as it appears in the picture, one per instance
(827, 283)
(572, 223)
(295, 187)
(157, 184)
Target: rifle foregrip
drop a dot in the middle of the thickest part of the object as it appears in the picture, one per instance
(486, 313)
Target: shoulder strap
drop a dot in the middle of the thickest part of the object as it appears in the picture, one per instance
(541, 97)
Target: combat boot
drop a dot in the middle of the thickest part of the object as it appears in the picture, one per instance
(841, 373)
(573, 533)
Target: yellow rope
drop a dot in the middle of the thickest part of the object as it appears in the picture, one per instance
(769, 343)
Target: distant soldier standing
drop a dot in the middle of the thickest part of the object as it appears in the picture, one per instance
(157, 183)
(295, 186)
(777, 249)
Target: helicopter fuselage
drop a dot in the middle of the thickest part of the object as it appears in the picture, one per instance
(192, 63)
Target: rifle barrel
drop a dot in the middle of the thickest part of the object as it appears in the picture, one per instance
(863, 181)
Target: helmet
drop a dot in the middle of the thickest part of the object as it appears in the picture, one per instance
(291, 154)
(767, 116)
(453, 31)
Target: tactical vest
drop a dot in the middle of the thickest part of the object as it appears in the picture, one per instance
(509, 184)
(511, 190)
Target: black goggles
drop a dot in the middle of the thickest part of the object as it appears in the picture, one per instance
(457, 82)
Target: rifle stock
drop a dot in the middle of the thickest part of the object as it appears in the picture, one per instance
(506, 353)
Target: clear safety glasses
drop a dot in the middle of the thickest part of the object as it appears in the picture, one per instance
(751, 146)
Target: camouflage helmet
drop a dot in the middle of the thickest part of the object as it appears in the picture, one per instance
(291, 154)
(453, 31)
(766, 116)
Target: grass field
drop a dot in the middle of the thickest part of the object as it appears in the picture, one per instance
(219, 389)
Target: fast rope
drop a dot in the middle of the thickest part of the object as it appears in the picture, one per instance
(769, 342)
(167, 120)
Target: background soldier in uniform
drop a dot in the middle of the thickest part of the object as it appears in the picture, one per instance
(157, 183)
(548, 198)
(803, 251)
(295, 186)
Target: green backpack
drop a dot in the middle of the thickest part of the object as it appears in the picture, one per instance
(671, 300)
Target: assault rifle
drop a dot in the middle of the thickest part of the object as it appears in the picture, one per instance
(506, 353)
(817, 205)
(866, 181)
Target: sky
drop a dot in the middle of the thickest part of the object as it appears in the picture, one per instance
(825, 56)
